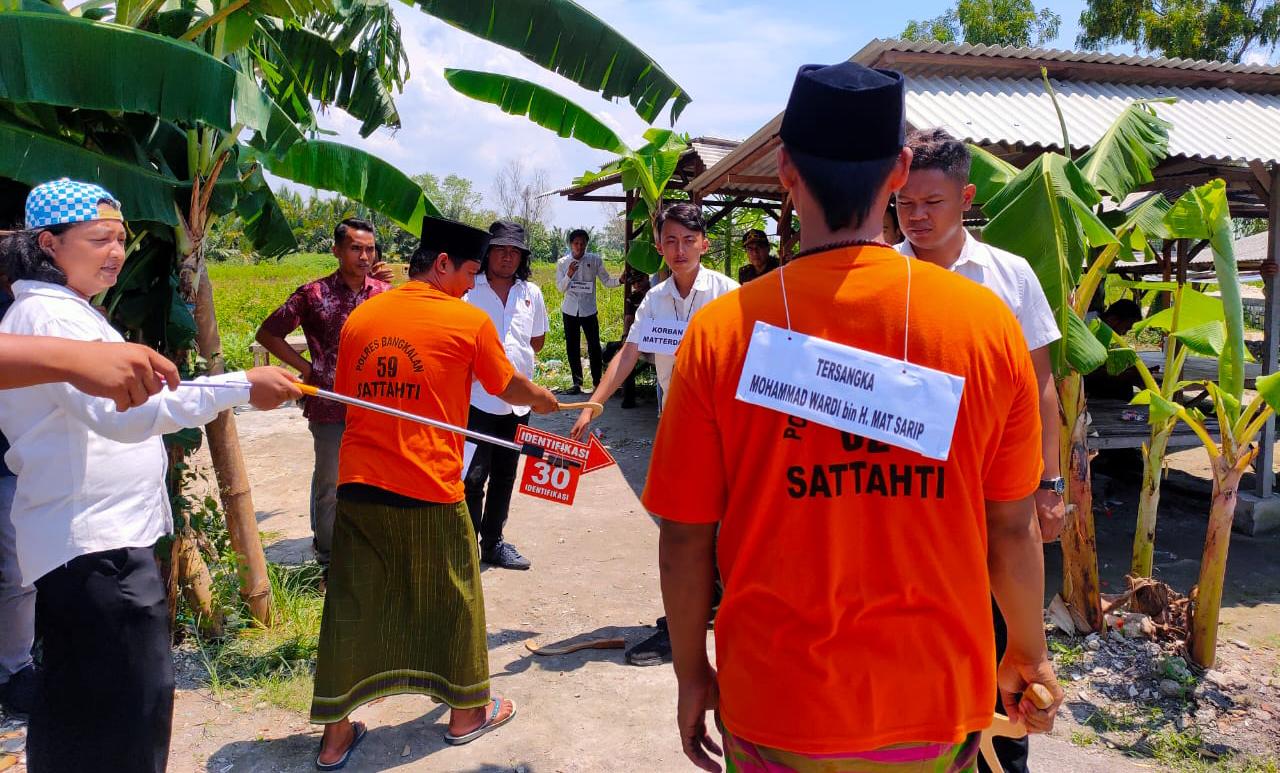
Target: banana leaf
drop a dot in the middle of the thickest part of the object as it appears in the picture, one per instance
(1160, 411)
(565, 38)
(1203, 213)
(1268, 387)
(297, 64)
(358, 175)
(1083, 352)
(265, 224)
(1045, 215)
(1207, 340)
(1197, 309)
(32, 158)
(642, 255)
(1124, 158)
(70, 62)
(988, 173)
(540, 105)
(1145, 220)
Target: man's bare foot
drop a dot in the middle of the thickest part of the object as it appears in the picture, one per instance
(336, 740)
(463, 721)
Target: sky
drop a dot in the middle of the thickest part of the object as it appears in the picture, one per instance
(737, 58)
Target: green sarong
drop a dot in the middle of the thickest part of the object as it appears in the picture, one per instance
(404, 610)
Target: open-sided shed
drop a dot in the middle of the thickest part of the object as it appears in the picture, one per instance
(1226, 123)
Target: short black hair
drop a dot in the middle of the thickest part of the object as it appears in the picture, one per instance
(352, 224)
(575, 233)
(22, 257)
(1124, 309)
(523, 271)
(844, 189)
(936, 149)
(423, 257)
(684, 213)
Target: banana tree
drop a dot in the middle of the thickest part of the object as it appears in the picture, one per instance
(1193, 324)
(645, 170)
(1203, 213)
(1049, 212)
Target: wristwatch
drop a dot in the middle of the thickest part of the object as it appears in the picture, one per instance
(1056, 485)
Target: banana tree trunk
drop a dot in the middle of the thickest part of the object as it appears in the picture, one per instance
(1144, 537)
(188, 573)
(196, 584)
(1080, 587)
(228, 467)
(1213, 564)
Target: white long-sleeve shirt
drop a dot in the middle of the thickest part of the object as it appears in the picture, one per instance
(90, 478)
(580, 289)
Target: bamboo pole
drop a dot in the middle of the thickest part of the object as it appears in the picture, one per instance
(228, 468)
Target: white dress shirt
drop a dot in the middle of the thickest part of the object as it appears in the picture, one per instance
(1010, 277)
(519, 321)
(580, 289)
(89, 477)
(663, 302)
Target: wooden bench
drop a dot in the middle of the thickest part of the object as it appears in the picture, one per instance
(1109, 430)
(262, 357)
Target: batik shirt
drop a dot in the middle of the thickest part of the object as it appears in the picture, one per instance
(321, 308)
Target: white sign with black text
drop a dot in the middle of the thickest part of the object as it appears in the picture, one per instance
(661, 336)
(838, 386)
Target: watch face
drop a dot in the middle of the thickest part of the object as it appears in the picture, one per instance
(1056, 485)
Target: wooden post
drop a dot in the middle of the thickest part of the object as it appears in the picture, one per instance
(228, 467)
(1265, 462)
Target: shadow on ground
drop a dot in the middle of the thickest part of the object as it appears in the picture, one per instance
(385, 747)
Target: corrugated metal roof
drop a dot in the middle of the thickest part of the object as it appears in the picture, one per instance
(1208, 124)
(879, 47)
(1252, 248)
(711, 149)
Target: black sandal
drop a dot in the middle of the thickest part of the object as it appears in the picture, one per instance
(360, 732)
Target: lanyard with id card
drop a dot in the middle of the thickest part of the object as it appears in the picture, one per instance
(839, 386)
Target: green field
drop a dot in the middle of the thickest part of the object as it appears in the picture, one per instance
(244, 294)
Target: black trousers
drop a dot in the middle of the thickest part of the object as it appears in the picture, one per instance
(497, 466)
(106, 702)
(573, 326)
(1012, 752)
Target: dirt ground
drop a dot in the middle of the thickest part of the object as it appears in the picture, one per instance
(594, 570)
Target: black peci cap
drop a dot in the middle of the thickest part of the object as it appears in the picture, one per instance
(459, 241)
(845, 112)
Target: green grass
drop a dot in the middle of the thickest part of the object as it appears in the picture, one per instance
(1083, 738)
(553, 365)
(272, 665)
(244, 294)
(1182, 751)
(1065, 655)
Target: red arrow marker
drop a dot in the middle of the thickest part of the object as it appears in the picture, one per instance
(598, 457)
